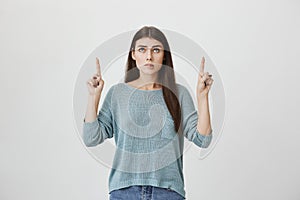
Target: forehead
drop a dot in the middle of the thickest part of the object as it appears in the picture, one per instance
(148, 42)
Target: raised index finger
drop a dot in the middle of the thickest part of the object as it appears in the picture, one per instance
(98, 67)
(202, 65)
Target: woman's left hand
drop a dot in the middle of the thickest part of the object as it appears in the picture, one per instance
(204, 81)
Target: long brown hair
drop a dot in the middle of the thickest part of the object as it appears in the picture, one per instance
(165, 76)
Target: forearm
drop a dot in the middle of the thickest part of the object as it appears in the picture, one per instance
(97, 100)
(203, 125)
(92, 107)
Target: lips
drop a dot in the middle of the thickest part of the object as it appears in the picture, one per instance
(149, 65)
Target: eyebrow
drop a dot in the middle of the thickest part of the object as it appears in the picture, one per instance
(152, 46)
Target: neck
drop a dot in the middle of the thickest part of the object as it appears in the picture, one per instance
(148, 82)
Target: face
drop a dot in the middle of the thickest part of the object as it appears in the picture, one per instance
(148, 54)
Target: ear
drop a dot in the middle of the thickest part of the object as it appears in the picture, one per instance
(132, 55)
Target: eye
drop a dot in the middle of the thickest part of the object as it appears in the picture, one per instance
(156, 50)
(142, 49)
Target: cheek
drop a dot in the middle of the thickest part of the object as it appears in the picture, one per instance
(159, 59)
(139, 59)
(139, 62)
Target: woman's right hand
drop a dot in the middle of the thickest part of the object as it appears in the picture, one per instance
(95, 84)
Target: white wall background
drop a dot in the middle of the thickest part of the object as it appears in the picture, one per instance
(254, 45)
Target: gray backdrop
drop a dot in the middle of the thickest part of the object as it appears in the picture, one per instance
(253, 45)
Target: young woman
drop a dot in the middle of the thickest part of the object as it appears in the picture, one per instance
(148, 115)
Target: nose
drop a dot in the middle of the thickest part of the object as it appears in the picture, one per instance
(149, 55)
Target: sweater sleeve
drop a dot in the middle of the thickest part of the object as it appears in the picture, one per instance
(190, 120)
(96, 132)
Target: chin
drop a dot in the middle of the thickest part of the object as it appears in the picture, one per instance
(149, 71)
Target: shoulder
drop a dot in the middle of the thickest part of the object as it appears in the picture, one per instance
(182, 89)
(115, 86)
(184, 93)
(110, 90)
(117, 90)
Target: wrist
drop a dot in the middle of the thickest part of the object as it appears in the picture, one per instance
(202, 96)
(95, 95)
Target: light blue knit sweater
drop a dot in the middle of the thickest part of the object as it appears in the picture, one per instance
(148, 150)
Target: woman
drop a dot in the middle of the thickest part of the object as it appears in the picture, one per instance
(148, 115)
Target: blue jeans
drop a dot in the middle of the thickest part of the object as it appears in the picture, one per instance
(138, 192)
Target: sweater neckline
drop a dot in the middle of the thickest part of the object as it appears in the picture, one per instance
(134, 88)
